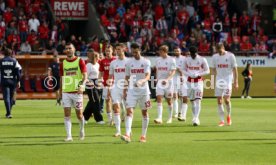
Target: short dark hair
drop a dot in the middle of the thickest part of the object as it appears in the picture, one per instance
(135, 46)
(7, 51)
(193, 49)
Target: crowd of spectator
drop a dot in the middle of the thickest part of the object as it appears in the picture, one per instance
(184, 23)
(25, 26)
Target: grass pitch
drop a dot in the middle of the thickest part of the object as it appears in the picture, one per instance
(35, 137)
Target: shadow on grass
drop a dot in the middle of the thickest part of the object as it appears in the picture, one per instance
(42, 137)
(222, 140)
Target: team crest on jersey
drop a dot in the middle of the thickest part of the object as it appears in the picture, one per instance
(226, 59)
(142, 65)
(166, 63)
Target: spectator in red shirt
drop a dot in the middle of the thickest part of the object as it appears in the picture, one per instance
(159, 11)
(246, 46)
(54, 35)
(103, 76)
(111, 10)
(234, 25)
(95, 44)
(11, 4)
(182, 19)
(204, 46)
(7, 15)
(2, 33)
(244, 22)
(23, 28)
(43, 31)
(32, 37)
(13, 37)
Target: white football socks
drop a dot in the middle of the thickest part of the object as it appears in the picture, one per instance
(128, 125)
(197, 109)
(109, 116)
(221, 112)
(184, 108)
(117, 121)
(175, 106)
(170, 110)
(145, 123)
(68, 125)
(159, 110)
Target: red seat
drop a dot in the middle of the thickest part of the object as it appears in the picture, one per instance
(27, 84)
(38, 84)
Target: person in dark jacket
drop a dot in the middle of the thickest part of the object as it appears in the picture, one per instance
(247, 74)
(10, 77)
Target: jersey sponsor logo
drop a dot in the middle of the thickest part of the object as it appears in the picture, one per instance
(162, 68)
(70, 73)
(223, 65)
(8, 74)
(137, 70)
(70, 69)
(120, 70)
(193, 67)
(7, 63)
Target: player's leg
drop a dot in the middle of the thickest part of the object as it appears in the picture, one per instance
(219, 92)
(67, 104)
(108, 106)
(68, 123)
(7, 101)
(184, 108)
(169, 98)
(170, 110)
(228, 106)
(117, 119)
(158, 120)
(198, 93)
(175, 100)
(145, 104)
(184, 102)
(78, 104)
(130, 104)
(159, 95)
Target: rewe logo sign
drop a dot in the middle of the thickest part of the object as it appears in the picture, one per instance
(65, 6)
(70, 9)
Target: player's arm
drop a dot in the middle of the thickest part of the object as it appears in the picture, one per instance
(126, 86)
(235, 74)
(206, 69)
(100, 77)
(186, 72)
(61, 77)
(84, 76)
(172, 72)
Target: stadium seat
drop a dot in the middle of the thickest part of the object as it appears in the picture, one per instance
(38, 84)
(27, 84)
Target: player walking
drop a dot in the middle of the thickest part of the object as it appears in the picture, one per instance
(103, 77)
(165, 69)
(224, 67)
(73, 79)
(117, 71)
(194, 68)
(137, 91)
